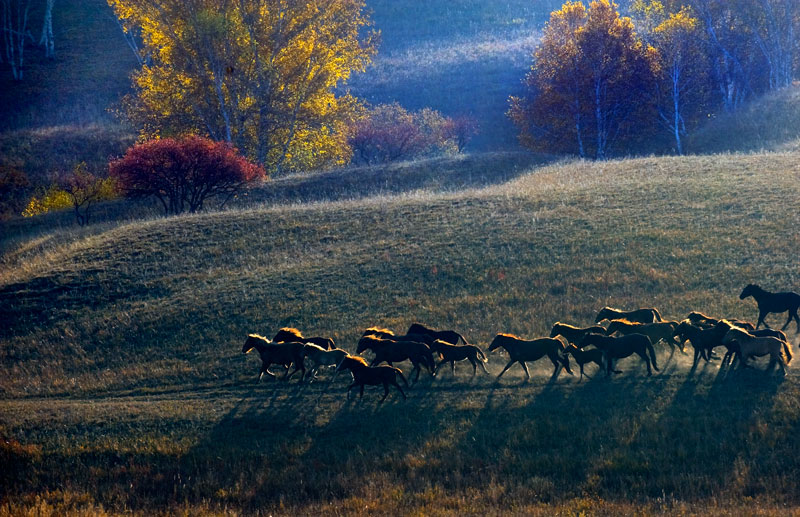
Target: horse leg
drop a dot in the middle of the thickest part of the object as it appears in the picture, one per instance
(453, 367)
(385, 391)
(419, 370)
(361, 392)
(397, 385)
(761, 316)
(796, 319)
(350, 388)
(525, 367)
(643, 355)
(483, 365)
(506, 368)
(581, 377)
(438, 366)
(788, 320)
(474, 366)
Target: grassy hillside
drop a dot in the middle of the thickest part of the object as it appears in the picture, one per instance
(125, 388)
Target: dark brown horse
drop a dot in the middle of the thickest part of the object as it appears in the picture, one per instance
(285, 354)
(621, 347)
(397, 351)
(289, 334)
(702, 339)
(522, 350)
(773, 302)
(448, 336)
(388, 334)
(452, 353)
(364, 375)
(574, 334)
(582, 357)
(636, 316)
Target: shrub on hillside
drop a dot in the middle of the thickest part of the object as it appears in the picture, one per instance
(390, 133)
(79, 189)
(183, 173)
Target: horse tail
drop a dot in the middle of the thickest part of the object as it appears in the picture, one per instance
(399, 373)
(657, 315)
(481, 355)
(787, 352)
(652, 353)
(462, 338)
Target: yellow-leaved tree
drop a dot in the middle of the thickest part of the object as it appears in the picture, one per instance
(259, 74)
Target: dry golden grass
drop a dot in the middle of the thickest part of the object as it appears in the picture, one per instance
(124, 389)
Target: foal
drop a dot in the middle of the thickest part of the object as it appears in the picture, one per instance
(773, 302)
(371, 376)
(593, 355)
(521, 350)
(320, 357)
(452, 353)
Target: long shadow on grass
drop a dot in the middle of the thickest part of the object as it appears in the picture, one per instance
(692, 444)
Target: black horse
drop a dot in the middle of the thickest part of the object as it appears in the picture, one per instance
(521, 350)
(574, 334)
(623, 346)
(773, 302)
(448, 336)
(388, 334)
(452, 353)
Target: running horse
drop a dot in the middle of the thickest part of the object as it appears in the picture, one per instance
(773, 302)
(522, 350)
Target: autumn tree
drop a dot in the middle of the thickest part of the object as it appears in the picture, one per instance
(589, 87)
(13, 185)
(183, 173)
(260, 75)
(78, 189)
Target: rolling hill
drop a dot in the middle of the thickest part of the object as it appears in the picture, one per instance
(125, 389)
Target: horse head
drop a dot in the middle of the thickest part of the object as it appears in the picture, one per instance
(750, 290)
(497, 342)
(253, 340)
(364, 343)
(602, 315)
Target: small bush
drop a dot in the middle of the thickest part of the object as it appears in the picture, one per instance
(183, 173)
(390, 133)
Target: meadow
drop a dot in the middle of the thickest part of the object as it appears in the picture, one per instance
(124, 390)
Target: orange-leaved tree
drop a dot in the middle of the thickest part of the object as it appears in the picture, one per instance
(589, 89)
(183, 173)
(258, 74)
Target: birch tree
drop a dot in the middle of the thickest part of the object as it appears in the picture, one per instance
(15, 30)
(46, 40)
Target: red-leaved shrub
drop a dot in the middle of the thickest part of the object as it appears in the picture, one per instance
(183, 173)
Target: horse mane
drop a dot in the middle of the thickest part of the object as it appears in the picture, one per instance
(567, 325)
(502, 334)
(625, 321)
(259, 337)
(291, 330)
(378, 329)
(357, 358)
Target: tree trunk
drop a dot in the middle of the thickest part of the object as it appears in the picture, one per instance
(47, 40)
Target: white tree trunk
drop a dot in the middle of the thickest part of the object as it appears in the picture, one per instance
(15, 29)
(47, 41)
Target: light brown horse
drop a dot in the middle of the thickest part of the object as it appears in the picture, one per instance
(522, 350)
(452, 353)
(754, 346)
(285, 354)
(319, 357)
(364, 374)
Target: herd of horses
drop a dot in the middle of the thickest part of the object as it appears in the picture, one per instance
(626, 333)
